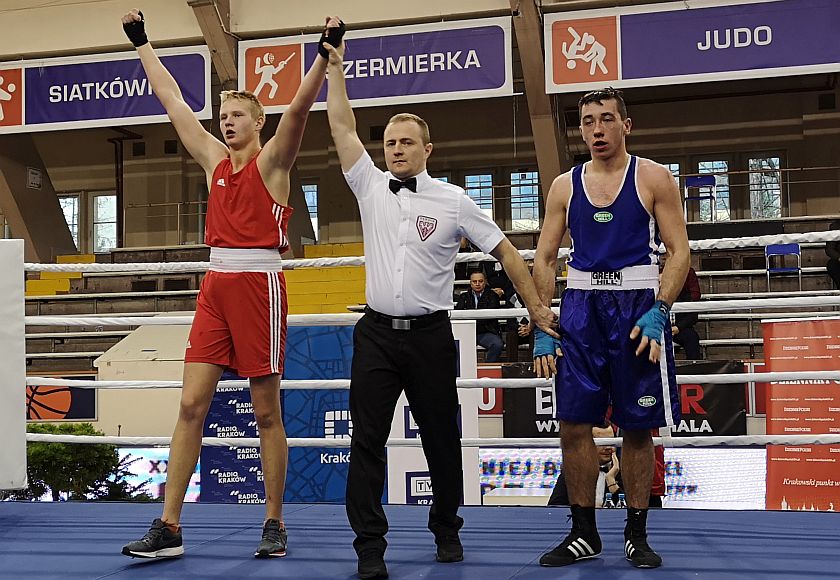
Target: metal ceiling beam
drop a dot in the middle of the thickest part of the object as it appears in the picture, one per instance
(548, 141)
(213, 17)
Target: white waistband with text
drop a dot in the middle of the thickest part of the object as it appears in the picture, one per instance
(632, 278)
(245, 260)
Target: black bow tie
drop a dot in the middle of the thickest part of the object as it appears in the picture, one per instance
(411, 184)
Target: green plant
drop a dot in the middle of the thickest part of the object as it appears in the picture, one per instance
(76, 471)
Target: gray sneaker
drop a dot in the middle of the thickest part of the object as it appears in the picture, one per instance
(159, 542)
(273, 544)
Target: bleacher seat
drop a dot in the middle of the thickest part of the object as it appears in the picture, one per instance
(707, 189)
(779, 251)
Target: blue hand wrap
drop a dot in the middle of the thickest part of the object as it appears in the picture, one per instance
(544, 344)
(653, 322)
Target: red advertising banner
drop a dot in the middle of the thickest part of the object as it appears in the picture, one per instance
(803, 477)
(491, 398)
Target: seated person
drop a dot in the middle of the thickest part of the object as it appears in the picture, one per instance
(495, 275)
(522, 326)
(683, 327)
(609, 485)
(608, 476)
(487, 331)
(832, 250)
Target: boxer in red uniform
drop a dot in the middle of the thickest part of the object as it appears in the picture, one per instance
(240, 319)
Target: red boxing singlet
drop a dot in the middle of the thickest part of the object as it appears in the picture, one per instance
(241, 212)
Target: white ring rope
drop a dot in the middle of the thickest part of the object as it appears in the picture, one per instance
(482, 383)
(338, 384)
(710, 441)
(352, 317)
(158, 267)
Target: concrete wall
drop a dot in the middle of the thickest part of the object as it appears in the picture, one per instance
(29, 202)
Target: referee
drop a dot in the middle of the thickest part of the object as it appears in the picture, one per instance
(412, 226)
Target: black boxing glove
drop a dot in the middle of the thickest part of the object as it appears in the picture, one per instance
(136, 31)
(331, 36)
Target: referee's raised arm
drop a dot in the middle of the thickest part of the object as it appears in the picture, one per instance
(342, 121)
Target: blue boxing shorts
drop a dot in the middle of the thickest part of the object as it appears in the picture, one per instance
(599, 366)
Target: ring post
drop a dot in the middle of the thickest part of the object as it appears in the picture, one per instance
(12, 367)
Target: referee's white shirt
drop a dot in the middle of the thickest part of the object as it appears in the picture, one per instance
(411, 239)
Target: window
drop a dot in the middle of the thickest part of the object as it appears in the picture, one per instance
(765, 187)
(719, 168)
(310, 193)
(674, 168)
(104, 222)
(70, 207)
(525, 200)
(480, 189)
(443, 178)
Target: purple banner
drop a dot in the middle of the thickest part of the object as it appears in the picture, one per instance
(112, 89)
(468, 59)
(446, 61)
(767, 35)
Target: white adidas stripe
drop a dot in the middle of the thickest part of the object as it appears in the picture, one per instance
(278, 212)
(580, 548)
(586, 545)
(274, 316)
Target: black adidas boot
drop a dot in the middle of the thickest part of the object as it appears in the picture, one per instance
(582, 542)
(636, 548)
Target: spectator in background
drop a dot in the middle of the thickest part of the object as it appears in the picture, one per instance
(832, 250)
(682, 328)
(487, 331)
(609, 478)
(495, 275)
(522, 325)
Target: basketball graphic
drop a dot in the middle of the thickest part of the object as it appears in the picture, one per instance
(48, 403)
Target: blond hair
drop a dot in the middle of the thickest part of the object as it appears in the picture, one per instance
(247, 97)
(424, 127)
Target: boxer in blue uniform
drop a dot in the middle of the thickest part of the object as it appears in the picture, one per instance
(614, 318)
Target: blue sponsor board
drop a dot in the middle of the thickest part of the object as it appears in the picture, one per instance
(234, 475)
(231, 414)
(318, 474)
(231, 475)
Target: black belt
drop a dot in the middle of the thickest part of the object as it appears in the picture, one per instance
(406, 322)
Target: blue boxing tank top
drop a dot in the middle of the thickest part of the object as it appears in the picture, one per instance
(610, 238)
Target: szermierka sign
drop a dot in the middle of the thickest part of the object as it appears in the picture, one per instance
(689, 42)
(97, 90)
(404, 64)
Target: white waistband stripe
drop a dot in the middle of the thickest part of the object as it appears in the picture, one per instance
(245, 260)
(632, 278)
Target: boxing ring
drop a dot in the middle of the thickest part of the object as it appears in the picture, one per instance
(71, 540)
(83, 539)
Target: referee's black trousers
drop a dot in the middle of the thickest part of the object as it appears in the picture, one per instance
(423, 362)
